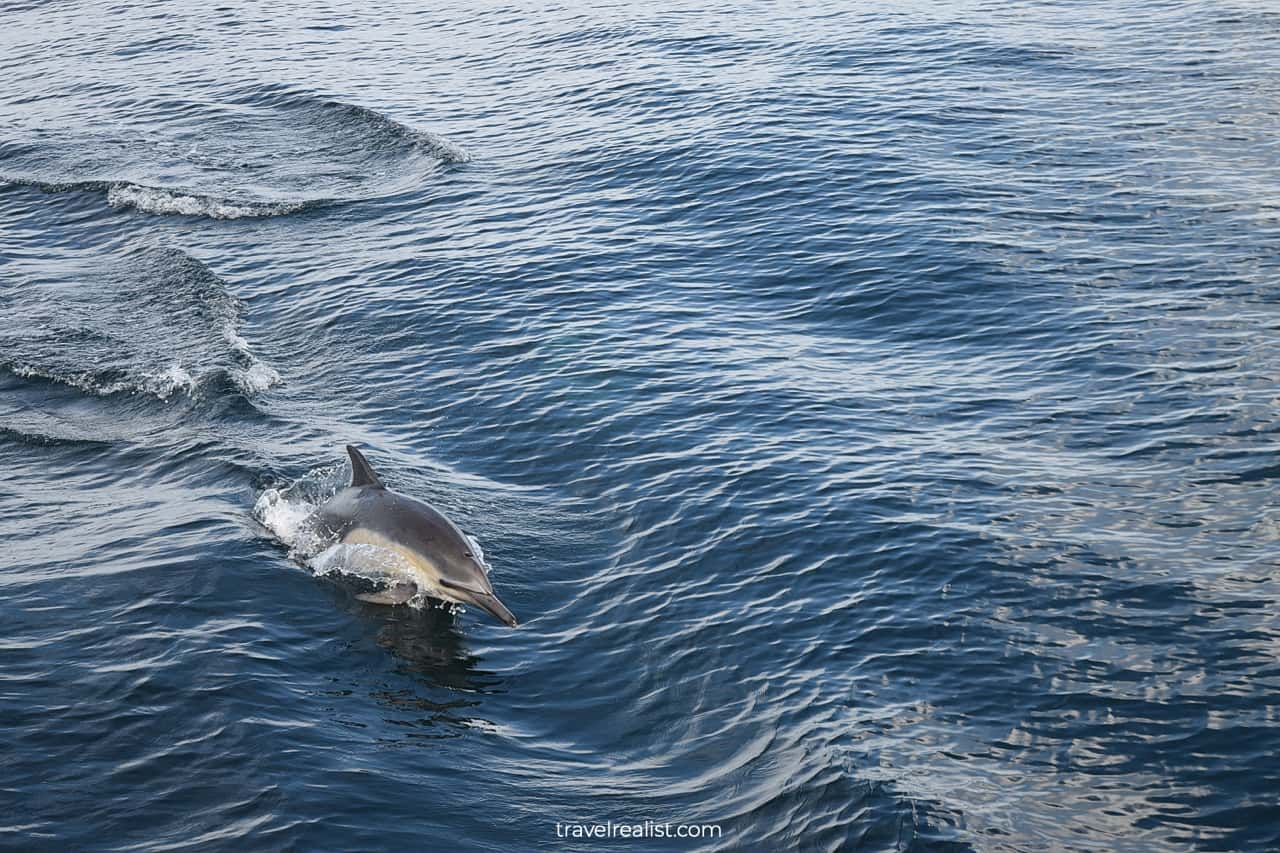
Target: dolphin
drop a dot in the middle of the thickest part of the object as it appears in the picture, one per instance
(438, 557)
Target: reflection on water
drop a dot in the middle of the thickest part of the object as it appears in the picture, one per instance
(427, 641)
(436, 685)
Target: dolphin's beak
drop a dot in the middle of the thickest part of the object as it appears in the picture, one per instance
(495, 608)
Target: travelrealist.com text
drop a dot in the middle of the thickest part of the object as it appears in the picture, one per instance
(647, 829)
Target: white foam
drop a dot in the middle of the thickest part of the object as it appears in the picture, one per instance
(256, 376)
(156, 200)
(289, 512)
(84, 383)
(283, 515)
(165, 383)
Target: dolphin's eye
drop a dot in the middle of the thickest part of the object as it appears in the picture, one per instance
(467, 554)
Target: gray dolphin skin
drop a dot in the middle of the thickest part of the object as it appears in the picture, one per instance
(437, 555)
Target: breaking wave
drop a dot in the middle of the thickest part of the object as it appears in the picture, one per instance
(161, 201)
(156, 322)
(180, 202)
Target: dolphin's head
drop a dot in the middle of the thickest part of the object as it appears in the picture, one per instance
(465, 581)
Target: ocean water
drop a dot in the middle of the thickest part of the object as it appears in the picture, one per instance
(870, 410)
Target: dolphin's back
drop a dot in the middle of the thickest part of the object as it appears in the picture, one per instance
(411, 524)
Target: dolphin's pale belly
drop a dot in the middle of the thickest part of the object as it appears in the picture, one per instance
(420, 569)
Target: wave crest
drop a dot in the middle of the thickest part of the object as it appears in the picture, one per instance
(271, 152)
(161, 201)
(156, 322)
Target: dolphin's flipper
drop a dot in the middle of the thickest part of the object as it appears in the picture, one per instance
(397, 593)
(361, 471)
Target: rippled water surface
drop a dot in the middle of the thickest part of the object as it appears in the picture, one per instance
(869, 410)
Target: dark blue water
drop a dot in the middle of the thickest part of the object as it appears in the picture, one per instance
(871, 411)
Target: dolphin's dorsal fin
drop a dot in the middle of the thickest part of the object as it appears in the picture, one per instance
(361, 471)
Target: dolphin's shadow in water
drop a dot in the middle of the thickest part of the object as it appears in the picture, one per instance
(445, 683)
